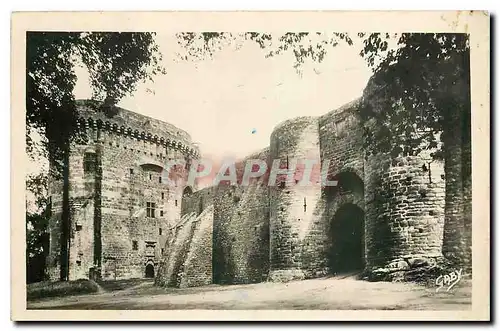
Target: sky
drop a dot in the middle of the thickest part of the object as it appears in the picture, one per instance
(230, 103)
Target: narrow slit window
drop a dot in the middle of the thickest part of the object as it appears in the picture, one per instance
(135, 245)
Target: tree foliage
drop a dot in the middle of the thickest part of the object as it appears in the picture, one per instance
(414, 89)
(37, 221)
(418, 78)
(304, 45)
(116, 61)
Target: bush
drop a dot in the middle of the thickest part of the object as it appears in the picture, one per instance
(60, 288)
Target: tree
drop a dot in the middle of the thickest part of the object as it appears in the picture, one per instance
(116, 63)
(304, 45)
(419, 94)
(37, 218)
(420, 91)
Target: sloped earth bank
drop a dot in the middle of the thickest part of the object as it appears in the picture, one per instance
(327, 293)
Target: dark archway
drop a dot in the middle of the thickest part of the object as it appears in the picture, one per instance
(187, 191)
(150, 271)
(347, 239)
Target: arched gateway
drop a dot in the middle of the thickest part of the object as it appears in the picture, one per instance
(150, 270)
(347, 239)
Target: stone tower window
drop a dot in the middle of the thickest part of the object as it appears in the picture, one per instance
(131, 171)
(89, 163)
(135, 245)
(159, 231)
(150, 209)
(159, 179)
(150, 176)
(176, 203)
(161, 213)
(162, 195)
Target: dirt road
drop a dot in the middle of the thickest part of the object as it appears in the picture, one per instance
(328, 293)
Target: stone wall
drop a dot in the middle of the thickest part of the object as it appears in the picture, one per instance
(235, 234)
(114, 180)
(82, 188)
(53, 264)
(341, 140)
(241, 229)
(341, 149)
(404, 208)
(293, 208)
(187, 258)
(198, 261)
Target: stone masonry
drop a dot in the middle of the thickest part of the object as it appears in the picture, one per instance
(385, 215)
(121, 213)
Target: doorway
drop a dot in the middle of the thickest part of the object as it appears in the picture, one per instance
(347, 240)
(150, 270)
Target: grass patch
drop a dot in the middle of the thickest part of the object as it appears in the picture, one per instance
(58, 289)
(117, 285)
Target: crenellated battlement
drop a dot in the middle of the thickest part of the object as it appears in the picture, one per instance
(125, 123)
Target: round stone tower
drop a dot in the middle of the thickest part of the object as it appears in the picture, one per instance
(292, 204)
(404, 203)
(404, 199)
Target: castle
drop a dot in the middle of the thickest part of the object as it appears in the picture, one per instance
(126, 223)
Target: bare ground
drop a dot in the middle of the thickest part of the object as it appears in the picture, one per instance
(332, 293)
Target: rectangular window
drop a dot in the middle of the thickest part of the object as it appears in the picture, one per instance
(161, 213)
(131, 171)
(176, 203)
(135, 245)
(89, 162)
(150, 177)
(150, 209)
(159, 231)
(162, 251)
(159, 179)
(78, 227)
(162, 195)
